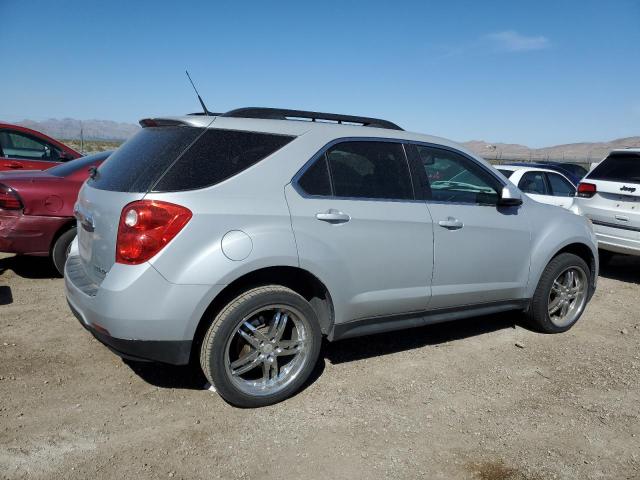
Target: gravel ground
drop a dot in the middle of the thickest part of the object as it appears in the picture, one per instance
(483, 398)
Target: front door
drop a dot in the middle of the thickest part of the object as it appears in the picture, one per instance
(481, 251)
(359, 227)
(20, 151)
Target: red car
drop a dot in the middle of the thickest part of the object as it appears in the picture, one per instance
(36, 208)
(25, 149)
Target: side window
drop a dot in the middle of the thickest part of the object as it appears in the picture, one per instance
(455, 178)
(21, 146)
(370, 170)
(315, 181)
(560, 187)
(533, 182)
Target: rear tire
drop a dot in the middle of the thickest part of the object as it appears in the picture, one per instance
(261, 347)
(60, 250)
(561, 295)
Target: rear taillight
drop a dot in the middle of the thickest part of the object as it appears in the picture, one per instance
(586, 190)
(9, 199)
(146, 226)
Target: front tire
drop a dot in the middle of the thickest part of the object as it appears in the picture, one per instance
(561, 295)
(261, 347)
(60, 250)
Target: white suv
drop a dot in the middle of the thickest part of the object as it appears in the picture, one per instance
(609, 196)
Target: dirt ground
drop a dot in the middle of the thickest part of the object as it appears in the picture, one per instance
(483, 398)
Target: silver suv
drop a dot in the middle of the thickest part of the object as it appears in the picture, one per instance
(609, 196)
(242, 239)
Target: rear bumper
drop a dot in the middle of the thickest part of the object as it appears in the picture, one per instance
(617, 239)
(167, 351)
(28, 234)
(136, 312)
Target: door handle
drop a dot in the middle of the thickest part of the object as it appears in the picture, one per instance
(451, 223)
(14, 165)
(333, 216)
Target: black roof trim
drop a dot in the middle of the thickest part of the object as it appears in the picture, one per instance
(285, 114)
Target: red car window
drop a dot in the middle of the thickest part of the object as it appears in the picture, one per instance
(22, 146)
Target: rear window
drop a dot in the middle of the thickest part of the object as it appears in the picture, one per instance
(172, 158)
(138, 164)
(506, 173)
(73, 166)
(576, 170)
(619, 167)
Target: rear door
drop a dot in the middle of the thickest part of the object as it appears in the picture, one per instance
(616, 203)
(481, 251)
(19, 150)
(534, 184)
(561, 189)
(358, 225)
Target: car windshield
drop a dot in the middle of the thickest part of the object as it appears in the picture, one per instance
(73, 166)
(618, 167)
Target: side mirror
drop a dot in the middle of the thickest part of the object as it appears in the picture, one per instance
(510, 197)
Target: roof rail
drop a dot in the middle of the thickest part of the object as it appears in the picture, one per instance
(284, 114)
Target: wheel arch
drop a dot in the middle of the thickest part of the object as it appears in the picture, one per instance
(578, 248)
(64, 228)
(297, 279)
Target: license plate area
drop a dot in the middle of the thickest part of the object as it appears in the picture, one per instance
(85, 242)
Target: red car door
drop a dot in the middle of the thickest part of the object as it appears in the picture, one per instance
(23, 149)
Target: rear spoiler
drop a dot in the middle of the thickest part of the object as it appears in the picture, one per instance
(160, 122)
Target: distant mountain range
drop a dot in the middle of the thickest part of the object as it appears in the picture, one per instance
(69, 129)
(582, 152)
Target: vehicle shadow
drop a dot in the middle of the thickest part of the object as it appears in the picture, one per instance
(188, 377)
(625, 268)
(29, 267)
(6, 297)
(191, 377)
(430, 335)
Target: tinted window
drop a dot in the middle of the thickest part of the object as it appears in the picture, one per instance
(218, 155)
(22, 146)
(183, 158)
(141, 160)
(574, 169)
(370, 170)
(315, 180)
(454, 178)
(560, 187)
(75, 165)
(533, 182)
(619, 167)
(506, 173)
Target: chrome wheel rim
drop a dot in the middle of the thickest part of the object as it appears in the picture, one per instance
(568, 296)
(268, 350)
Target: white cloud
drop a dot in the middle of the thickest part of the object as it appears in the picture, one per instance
(512, 41)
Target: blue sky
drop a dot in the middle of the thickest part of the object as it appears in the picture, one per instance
(531, 72)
